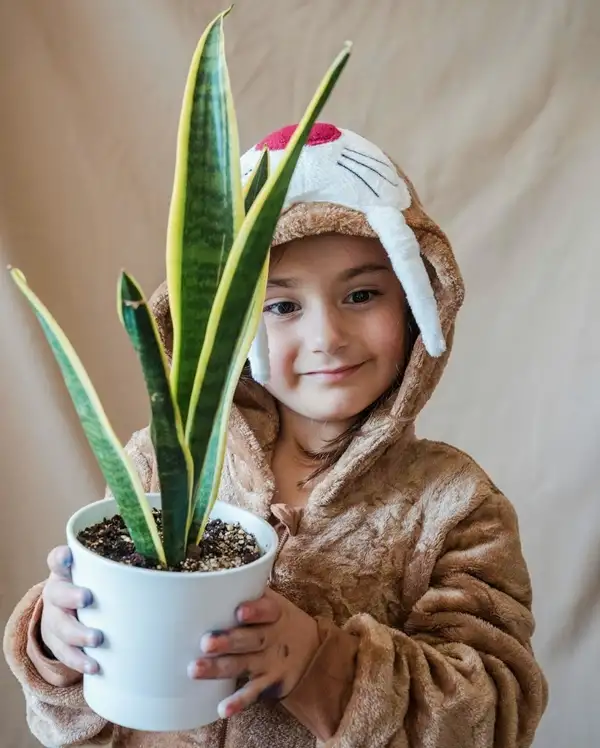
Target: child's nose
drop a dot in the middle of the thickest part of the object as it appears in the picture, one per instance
(327, 330)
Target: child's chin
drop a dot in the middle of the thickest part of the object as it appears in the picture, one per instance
(339, 412)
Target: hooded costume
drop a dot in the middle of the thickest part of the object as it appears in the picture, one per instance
(407, 554)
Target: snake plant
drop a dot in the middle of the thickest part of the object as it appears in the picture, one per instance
(218, 240)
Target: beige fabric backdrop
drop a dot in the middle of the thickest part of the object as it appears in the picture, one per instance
(493, 109)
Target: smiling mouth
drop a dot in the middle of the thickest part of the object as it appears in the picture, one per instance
(334, 374)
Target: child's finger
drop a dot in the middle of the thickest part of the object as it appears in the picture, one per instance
(262, 688)
(65, 595)
(71, 632)
(237, 641)
(265, 610)
(73, 657)
(59, 561)
(228, 666)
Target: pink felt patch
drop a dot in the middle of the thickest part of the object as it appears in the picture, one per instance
(321, 133)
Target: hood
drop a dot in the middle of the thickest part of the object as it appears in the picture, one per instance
(254, 420)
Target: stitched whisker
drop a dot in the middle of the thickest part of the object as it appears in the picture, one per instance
(371, 168)
(366, 155)
(356, 174)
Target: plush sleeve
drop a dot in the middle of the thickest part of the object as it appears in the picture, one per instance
(460, 671)
(56, 712)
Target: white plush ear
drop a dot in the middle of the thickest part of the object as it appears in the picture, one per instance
(404, 252)
(259, 355)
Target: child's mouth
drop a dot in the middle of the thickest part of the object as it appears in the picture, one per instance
(335, 375)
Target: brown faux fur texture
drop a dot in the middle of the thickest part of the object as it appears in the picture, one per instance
(407, 554)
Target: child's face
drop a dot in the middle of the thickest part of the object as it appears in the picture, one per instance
(336, 322)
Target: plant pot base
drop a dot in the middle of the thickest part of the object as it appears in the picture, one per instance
(149, 713)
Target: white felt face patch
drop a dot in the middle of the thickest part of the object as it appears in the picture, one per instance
(340, 167)
(336, 166)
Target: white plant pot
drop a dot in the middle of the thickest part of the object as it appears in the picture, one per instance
(153, 621)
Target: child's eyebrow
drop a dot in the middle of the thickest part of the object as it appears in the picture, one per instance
(282, 282)
(365, 269)
(346, 275)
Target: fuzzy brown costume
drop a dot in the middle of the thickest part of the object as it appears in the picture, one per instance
(407, 554)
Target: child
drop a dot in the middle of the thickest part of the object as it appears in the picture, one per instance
(399, 610)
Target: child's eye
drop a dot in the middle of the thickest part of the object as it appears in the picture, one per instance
(281, 308)
(362, 296)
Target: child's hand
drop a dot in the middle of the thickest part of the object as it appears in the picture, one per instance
(61, 632)
(272, 649)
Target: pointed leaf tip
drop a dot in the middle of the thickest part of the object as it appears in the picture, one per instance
(207, 205)
(18, 276)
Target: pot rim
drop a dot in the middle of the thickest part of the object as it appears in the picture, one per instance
(192, 575)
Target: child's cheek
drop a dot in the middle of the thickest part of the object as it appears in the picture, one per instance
(282, 358)
(387, 333)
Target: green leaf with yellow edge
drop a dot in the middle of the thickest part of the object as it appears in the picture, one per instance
(207, 207)
(174, 462)
(238, 286)
(257, 180)
(120, 475)
(208, 487)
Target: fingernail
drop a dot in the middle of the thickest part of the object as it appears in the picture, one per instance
(222, 710)
(227, 709)
(208, 643)
(88, 598)
(96, 638)
(272, 692)
(242, 614)
(91, 668)
(196, 669)
(68, 559)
